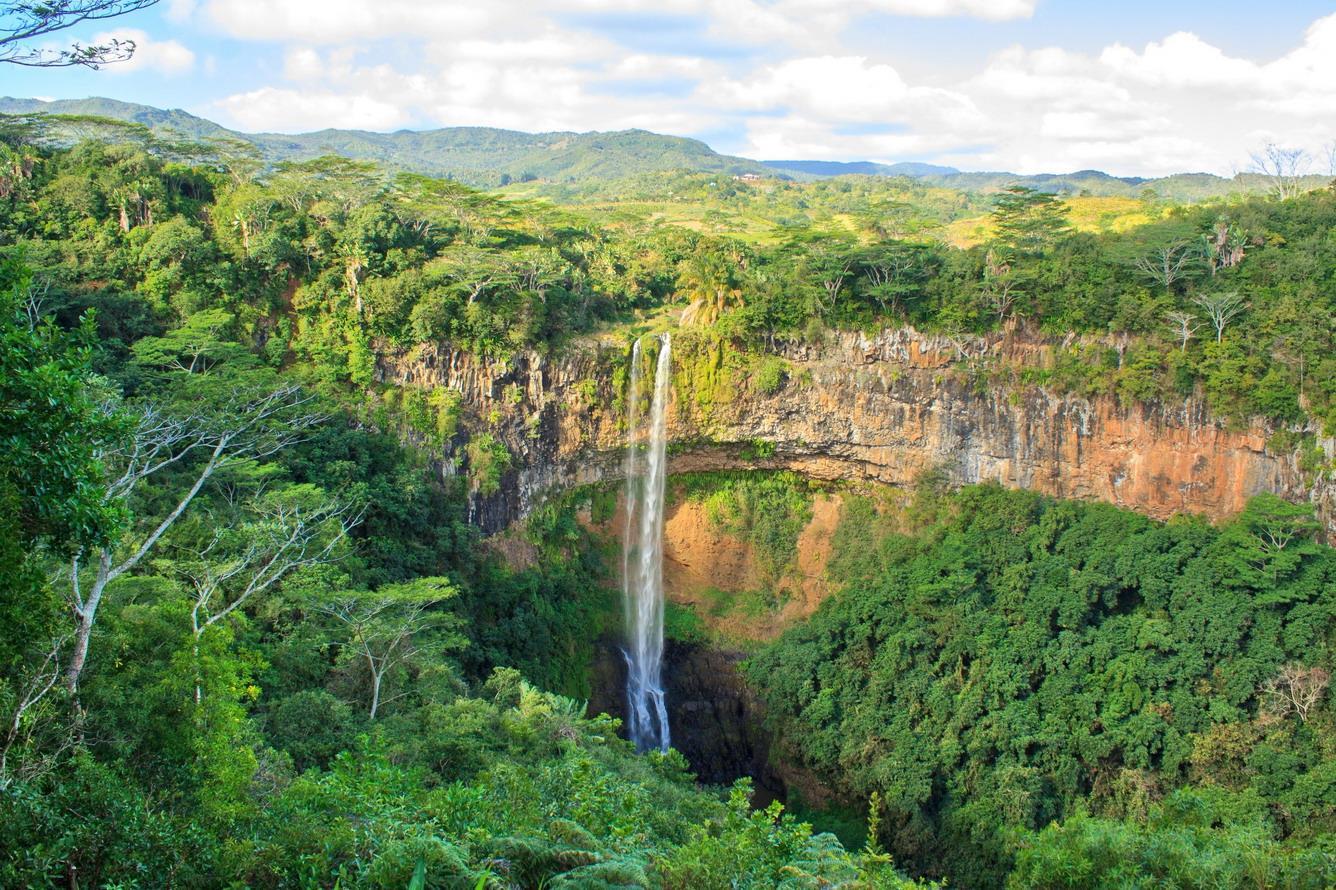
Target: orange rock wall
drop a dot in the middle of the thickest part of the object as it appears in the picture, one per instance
(881, 409)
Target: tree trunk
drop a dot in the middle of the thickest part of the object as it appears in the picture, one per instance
(85, 614)
(375, 692)
(199, 681)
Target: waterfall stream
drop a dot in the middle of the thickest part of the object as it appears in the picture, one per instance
(642, 554)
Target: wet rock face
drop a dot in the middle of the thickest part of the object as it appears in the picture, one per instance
(880, 409)
(715, 720)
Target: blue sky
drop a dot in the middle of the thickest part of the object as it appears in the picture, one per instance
(1135, 87)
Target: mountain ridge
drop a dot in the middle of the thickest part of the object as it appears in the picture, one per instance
(482, 156)
(489, 157)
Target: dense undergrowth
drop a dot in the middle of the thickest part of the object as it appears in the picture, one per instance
(509, 788)
(997, 662)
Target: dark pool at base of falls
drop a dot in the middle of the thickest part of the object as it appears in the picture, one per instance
(715, 720)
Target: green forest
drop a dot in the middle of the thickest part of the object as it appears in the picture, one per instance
(1056, 694)
(250, 636)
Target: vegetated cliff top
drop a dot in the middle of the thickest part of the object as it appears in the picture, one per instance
(488, 157)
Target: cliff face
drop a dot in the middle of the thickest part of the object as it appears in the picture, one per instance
(881, 409)
(715, 718)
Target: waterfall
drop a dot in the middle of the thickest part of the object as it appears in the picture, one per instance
(642, 555)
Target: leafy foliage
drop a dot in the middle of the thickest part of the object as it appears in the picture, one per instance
(1014, 660)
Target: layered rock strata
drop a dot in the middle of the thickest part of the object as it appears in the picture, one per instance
(880, 408)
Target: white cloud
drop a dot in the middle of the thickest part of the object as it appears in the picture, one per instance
(474, 91)
(1064, 79)
(1179, 103)
(830, 87)
(1180, 60)
(993, 10)
(301, 63)
(1303, 81)
(549, 47)
(1093, 126)
(163, 56)
(290, 111)
(844, 90)
(791, 21)
(644, 66)
(180, 10)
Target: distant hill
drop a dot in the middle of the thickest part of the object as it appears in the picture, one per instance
(480, 156)
(860, 168)
(487, 157)
(1181, 187)
(157, 119)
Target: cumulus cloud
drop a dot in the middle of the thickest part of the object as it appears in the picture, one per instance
(845, 90)
(1178, 103)
(1180, 60)
(1051, 75)
(291, 111)
(463, 85)
(162, 56)
(1301, 82)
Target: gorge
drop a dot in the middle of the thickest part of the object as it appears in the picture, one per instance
(857, 412)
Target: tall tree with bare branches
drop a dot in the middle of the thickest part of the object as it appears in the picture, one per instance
(1184, 326)
(247, 425)
(1283, 167)
(1221, 309)
(1167, 263)
(285, 532)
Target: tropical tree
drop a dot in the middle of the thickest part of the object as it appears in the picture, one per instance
(53, 434)
(1028, 221)
(244, 423)
(282, 532)
(710, 278)
(1221, 308)
(391, 627)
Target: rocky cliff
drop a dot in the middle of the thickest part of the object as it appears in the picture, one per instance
(715, 720)
(861, 408)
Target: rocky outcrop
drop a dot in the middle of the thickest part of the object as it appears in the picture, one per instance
(876, 409)
(705, 568)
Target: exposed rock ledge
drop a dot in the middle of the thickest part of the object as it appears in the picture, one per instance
(880, 409)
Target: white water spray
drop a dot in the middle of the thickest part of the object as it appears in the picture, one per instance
(642, 556)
